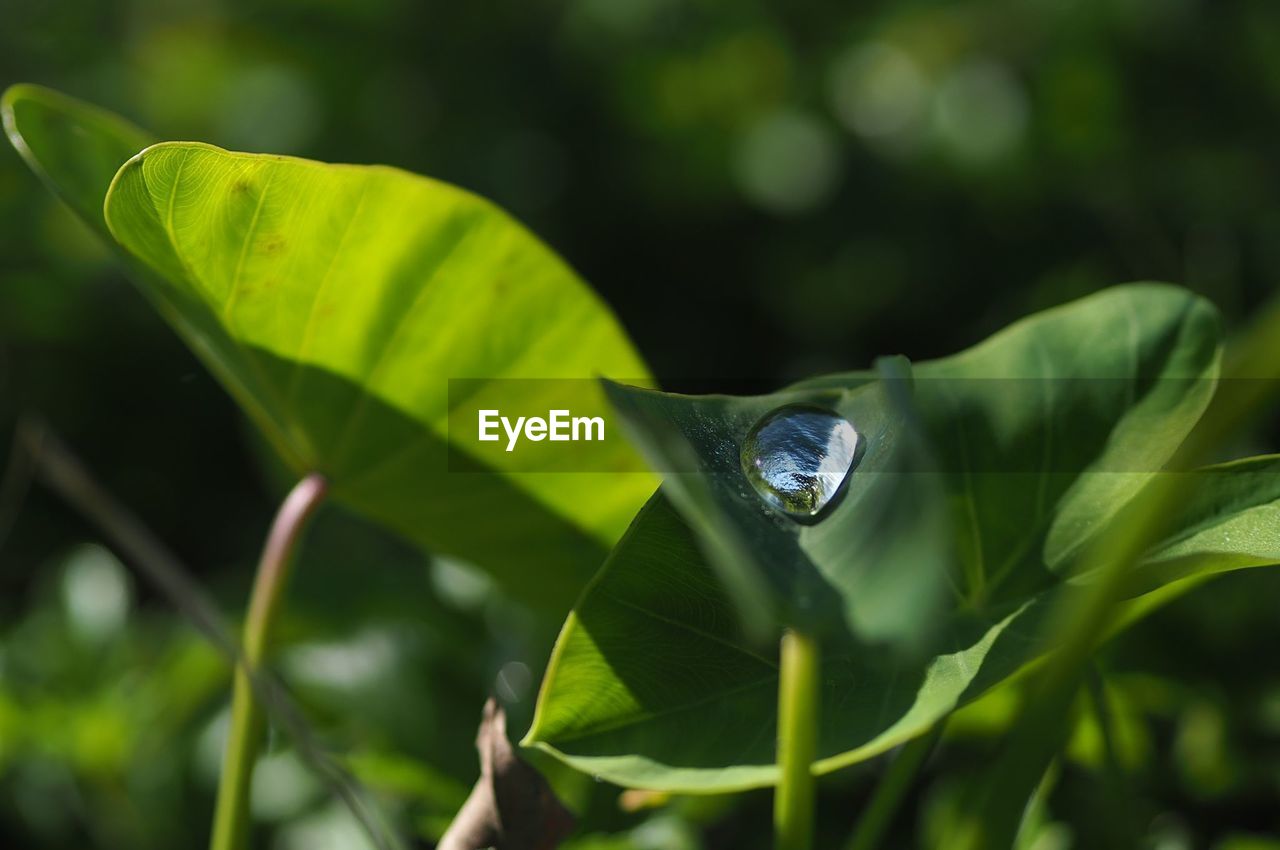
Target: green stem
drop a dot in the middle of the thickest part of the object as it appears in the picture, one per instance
(798, 698)
(1106, 725)
(1117, 798)
(231, 817)
(893, 785)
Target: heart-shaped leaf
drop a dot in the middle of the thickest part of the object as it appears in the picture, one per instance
(1040, 435)
(336, 302)
(654, 684)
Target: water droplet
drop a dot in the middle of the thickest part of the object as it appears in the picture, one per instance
(798, 457)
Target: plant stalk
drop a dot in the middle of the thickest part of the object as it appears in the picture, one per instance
(893, 786)
(799, 694)
(231, 817)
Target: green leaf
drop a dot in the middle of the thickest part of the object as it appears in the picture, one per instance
(878, 559)
(1230, 522)
(76, 148)
(653, 683)
(336, 302)
(341, 299)
(1050, 426)
(1037, 436)
(1040, 435)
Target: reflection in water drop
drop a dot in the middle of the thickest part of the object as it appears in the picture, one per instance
(797, 458)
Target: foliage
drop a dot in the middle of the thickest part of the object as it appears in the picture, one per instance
(1050, 428)
(337, 311)
(763, 193)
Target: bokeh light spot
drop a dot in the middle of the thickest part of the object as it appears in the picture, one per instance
(788, 163)
(980, 112)
(878, 91)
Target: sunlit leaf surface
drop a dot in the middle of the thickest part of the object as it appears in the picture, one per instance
(336, 302)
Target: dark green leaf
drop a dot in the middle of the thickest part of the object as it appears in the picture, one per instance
(877, 558)
(1041, 434)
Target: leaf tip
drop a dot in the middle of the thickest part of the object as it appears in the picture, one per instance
(122, 174)
(8, 117)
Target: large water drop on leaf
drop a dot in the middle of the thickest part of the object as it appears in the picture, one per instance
(798, 457)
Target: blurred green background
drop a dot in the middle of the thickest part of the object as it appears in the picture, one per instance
(762, 191)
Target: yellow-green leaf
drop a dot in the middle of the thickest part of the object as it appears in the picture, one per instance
(336, 302)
